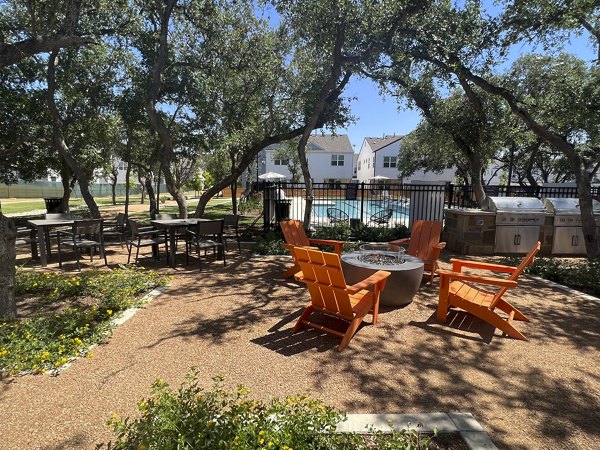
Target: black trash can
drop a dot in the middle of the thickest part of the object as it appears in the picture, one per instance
(282, 210)
(53, 205)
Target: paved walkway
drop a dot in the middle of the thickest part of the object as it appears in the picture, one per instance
(544, 393)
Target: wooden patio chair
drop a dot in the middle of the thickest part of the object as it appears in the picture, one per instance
(295, 236)
(455, 291)
(331, 296)
(424, 243)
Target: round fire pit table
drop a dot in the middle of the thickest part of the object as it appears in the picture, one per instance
(402, 285)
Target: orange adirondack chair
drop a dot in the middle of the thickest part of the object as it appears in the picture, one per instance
(480, 303)
(424, 243)
(295, 236)
(330, 295)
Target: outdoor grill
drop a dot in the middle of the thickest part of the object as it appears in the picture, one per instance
(518, 221)
(568, 236)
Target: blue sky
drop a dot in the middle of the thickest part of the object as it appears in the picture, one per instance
(376, 116)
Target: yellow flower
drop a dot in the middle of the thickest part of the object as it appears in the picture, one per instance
(62, 336)
(89, 355)
(109, 311)
(142, 447)
(210, 424)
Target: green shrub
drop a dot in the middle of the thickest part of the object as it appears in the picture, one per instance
(582, 276)
(365, 233)
(83, 306)
(269, 244)
(251, 203)
(220, 418)
(339, 231)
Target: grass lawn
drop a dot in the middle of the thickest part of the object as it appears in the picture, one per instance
(23, 206)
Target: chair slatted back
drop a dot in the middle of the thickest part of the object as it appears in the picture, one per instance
(527, 260)
(209, 228)
(323, 275)
(135, 228)
(424, 236)
(231, 221)
(294, 233)
(120, 220)
(91, 228)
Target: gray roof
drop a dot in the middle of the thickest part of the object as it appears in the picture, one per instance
(339, 143)
(379, 143)
(328, 143)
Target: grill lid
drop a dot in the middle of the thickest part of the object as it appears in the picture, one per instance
(513, 204)
(559, 206)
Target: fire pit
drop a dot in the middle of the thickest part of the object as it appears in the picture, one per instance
(407, 271)
(381, 254)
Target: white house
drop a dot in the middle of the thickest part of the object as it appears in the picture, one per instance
(378, 157)
(330, 159)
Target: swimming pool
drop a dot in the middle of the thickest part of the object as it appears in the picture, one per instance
(353, 209)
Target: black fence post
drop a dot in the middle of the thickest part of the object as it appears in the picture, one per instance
(450, 192)
(362, 200)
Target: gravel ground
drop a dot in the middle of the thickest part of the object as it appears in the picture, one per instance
(237, 320)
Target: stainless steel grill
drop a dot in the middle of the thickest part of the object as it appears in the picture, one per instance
(568, 237)
(518, 221)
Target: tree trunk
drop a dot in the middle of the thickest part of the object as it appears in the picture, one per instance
(127, 188)
(8, 234)
(476, 172)
(156, 120)
(234, 202)
(113, 189)
(152, 199)
(59, 140)
(66, 178)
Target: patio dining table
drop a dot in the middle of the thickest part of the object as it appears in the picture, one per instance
(171, 226)
(41, 225)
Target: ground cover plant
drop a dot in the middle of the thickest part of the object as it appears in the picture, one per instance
(61, 314)
(224, 418)
(581, 275)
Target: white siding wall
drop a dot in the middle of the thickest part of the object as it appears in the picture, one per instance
(365, 162)
(320, 166)
(391, 150)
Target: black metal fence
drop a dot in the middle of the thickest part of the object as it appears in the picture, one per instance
(383, 204)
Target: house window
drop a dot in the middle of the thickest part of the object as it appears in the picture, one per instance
(389, 161)
(122, 165)
(281, 162)
(337, 160)
(359, 165)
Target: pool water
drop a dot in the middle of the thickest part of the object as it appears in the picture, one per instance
(353, 208)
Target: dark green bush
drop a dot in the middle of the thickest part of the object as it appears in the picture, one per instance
(583, 276)
(269, 244)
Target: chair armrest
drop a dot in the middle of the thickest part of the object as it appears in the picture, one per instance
(374, 279)
(475, 279)
(148, 232)
(457, 264)
(338, 245)
(400, 241)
